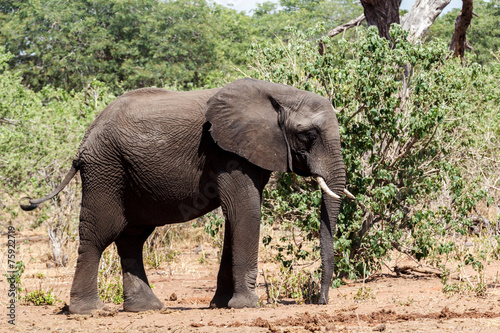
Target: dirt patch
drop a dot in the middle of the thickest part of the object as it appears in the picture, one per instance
(377, 317)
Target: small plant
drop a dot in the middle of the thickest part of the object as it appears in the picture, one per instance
(409, 301)
(155, 257)
(172, 255)
(157, 248)
(109, 277)
(213, 227)
(475, 284)
(298, 285)
(363, 294)
(467, 286)
(111, 290)
(203, 258)
(40, 297)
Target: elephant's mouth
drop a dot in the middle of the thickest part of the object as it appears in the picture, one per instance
(300, 163)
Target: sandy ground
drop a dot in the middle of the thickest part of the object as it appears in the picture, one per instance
(410, 303)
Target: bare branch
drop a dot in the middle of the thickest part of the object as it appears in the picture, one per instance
(493, 187)
(361, 108)
(407, 268)
(342, 28)
(406, 149)
(9, 121)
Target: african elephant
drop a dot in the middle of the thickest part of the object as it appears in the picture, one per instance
(154, 157)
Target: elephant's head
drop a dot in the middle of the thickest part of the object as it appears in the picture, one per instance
(281, 128)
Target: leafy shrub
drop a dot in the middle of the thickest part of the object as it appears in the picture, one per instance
(408, 117)
(40, 297)
(109, 283)
(157, 248)
(214, 223)
(296, 284)
(39, 135)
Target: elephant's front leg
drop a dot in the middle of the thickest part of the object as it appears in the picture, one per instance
(241, 198)
(225, 288)
(238, 268)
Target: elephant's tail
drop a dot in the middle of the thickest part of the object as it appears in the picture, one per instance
(33, 203)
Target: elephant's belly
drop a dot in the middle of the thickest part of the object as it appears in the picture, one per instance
(164, 199)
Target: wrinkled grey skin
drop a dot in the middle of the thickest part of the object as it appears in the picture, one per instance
(155, 157)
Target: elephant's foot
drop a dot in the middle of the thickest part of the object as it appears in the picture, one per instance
(243, 300)
(140, 299)
(323, 300)
(323, 296)
(85, 307)
(220, 301)
(138, 305)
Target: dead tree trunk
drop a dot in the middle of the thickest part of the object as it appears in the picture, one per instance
(421, 16)
(458, 41)
(58, 240)
(381, 13)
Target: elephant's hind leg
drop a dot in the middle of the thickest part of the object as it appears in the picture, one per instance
(84, 295)
(138, 295)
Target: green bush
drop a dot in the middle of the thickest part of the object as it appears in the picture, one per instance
(39, 136)
(128, 44)
(40, 297)
(298, 285)
(40, 132)
(411, 119)
(109, 280)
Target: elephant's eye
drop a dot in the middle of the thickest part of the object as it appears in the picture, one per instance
(307, 137)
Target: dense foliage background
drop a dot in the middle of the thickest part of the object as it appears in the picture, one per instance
(413, 123)
(420, 130)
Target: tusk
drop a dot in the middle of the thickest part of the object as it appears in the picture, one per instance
(349, 194)
(325, 188)
(337, 110)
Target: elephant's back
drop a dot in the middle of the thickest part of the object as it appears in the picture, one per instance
(155, 103)
(147, 116)
(153, 117)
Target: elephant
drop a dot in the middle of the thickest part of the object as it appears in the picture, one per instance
(154, 157)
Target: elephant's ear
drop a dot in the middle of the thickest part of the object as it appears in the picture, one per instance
(244, 121)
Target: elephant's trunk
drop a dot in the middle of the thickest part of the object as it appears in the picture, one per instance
(330, 207)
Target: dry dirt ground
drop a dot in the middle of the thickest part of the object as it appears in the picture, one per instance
(411, 303)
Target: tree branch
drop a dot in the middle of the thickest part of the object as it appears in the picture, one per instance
(458, 41)
(342, 28)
